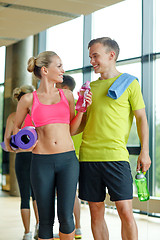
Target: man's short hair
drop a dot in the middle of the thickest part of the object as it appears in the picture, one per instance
(68, 81)
(111, 44)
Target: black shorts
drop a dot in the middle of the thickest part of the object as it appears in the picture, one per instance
(96, 176)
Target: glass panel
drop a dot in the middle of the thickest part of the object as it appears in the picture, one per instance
(131, 68)
(133, 165)
(66, 40)
(122, 22)
(94, 76)
(157, 26)
(78, 77)
(133, 139)
(157, 112)
(1, 123)
(2, 63)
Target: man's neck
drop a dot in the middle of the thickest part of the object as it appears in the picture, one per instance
(109, 74)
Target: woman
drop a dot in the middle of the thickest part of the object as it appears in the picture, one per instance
(54, 164)
(22, 167)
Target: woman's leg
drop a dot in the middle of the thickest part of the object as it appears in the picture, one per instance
(43, 183)
(25, 214)
(36, 214)
(35, 211)
(77, 212)
(22, 168)
(67, 172)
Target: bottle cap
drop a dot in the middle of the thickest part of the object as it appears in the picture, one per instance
(139, 175)
(86, 85)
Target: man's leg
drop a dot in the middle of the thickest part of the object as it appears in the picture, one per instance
(128, 228)
(98, 224)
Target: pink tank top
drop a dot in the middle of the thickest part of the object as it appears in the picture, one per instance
(43, 114)
(28, 122)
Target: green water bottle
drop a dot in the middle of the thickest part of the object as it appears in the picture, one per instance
(142, 189)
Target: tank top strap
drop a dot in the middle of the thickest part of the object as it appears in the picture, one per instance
(63, 97)
(35, 95)
(35, 98)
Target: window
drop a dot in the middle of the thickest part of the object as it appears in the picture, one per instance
(122, 22)
(2, 64)
(131, 68)
(78, 77)
(66, 40)
(157, 112)
(2, 72)
(133, 163)
(157, 26)
(1, 122)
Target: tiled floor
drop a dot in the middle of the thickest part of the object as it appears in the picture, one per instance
(11, 227)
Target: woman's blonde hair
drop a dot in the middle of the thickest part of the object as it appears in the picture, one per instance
(19, 92)
(42, 60)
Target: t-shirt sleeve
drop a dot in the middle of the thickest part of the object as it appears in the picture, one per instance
(135, 96)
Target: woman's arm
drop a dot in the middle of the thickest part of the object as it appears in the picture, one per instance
(23, 108)
(9, 131)
(77, 122)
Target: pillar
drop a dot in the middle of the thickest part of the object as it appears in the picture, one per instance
(17, 56)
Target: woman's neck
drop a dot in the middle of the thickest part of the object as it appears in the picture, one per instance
(46, 86)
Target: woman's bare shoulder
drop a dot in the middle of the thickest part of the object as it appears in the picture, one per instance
(27, 99)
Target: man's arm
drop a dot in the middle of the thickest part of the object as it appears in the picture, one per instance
(144, 160)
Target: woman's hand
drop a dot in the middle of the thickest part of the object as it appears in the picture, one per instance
(8, 147)
(27, 150)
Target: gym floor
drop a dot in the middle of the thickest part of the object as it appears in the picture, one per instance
(11, 227)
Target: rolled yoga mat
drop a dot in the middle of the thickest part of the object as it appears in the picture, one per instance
(12, 144)
(24, 139)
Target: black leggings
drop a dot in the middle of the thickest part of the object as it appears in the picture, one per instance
(51, 173)
(22, 168)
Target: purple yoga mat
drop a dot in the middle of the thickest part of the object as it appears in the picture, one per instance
(24, 139)
(3, 146)
(12, 144)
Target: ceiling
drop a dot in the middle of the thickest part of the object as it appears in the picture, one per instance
(22, 18)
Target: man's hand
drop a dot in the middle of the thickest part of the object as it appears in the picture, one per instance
(144, 161)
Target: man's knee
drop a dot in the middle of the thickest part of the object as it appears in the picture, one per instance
(97, 210)
(125, 211)
(96, 206)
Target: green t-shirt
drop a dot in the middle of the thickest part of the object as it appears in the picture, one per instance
(109, 122)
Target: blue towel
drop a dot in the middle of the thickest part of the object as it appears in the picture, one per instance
(120, 85)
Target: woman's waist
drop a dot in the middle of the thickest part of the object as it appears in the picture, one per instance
(54, 146)
(53, 132)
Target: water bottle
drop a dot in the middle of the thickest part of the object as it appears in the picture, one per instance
(142, 189)
(81, 105)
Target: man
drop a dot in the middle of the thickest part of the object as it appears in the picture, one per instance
(104, 159)
(69, 83)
